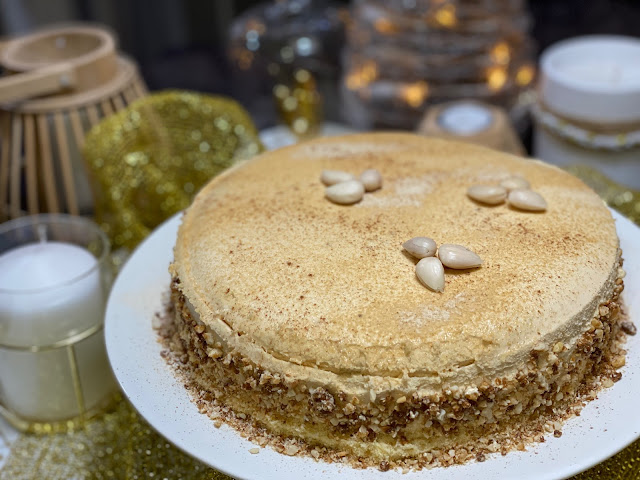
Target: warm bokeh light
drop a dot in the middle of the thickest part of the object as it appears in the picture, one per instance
(496, 78)
(281, 91)
(415, 93)
(525, 75)
(300, 126)
(501, 53)
(289, 104)
(446, 15)
(302, 76)
(362, 76)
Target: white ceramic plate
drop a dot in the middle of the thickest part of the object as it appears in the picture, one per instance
(606, 425)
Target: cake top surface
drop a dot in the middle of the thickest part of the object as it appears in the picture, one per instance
(322, 287)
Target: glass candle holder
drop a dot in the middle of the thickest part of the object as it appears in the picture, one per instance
(54, 281)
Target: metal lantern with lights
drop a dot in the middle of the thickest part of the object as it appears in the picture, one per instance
(402, 57)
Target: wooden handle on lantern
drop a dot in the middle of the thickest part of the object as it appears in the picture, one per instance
(55, 78)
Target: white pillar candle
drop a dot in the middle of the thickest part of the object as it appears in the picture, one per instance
(49, 292)
(44, 304)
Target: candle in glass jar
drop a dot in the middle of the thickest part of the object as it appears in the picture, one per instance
(588, 110)
(50, 291)
(55, 306)
(604, 73)
(594, 79)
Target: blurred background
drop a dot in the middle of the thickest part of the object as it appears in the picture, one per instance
(187, 44)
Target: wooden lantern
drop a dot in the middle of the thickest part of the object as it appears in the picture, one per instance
(63, 81)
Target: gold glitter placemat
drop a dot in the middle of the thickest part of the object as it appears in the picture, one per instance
(623, 199)
(121, 445)
(118, 445)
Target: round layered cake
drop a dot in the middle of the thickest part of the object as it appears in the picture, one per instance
(306, 319)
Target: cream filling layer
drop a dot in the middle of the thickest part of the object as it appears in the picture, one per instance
(367, 387)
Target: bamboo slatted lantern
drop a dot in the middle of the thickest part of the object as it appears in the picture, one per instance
(63, 81)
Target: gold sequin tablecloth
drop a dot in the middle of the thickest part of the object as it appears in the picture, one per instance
(121, 445)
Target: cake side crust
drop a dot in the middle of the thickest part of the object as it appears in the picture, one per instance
(496, 415)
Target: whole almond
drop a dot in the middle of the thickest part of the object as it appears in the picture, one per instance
(345, 193)
(527, 200)
(331, 177)
(371, 179)
(489, 194)
(430, 272)
(515, 182)
(420, 247)
(458, 257)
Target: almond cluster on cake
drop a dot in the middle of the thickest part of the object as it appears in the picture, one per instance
(305, 320)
